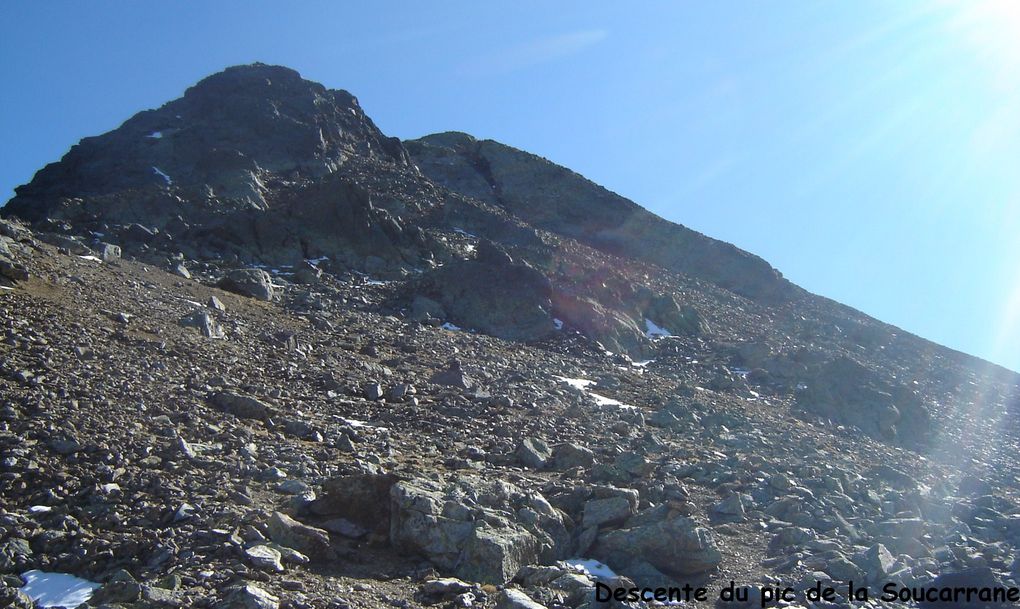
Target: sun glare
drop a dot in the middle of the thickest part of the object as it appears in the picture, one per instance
(990, 28)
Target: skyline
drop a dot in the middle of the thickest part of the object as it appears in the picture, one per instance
(868, 152)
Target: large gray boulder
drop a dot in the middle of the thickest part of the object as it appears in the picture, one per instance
(477, 530)
(492, 294)
(675, 545)
(255, 283)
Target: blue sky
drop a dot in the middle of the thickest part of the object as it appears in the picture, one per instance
(869, 150)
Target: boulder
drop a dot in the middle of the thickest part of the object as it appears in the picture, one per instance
(675, 545)
(363, 499)
(308, 540)
(534, 453)
(249, 596)
(487, 539)
(242, 406)
(255, 283)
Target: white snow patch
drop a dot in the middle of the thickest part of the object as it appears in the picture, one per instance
(449, 326)
(591, 567)
(156, 135)
(160, 173)
(464, 232)
(39, 509)
(740, 371)
(91, 258)
(57, 589)
(317, 261)
(558, 323)
(582, 386)
(602, 400)
(362, 424)
(652, 330)
(642, 364)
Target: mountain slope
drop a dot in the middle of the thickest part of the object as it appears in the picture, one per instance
(256, 353)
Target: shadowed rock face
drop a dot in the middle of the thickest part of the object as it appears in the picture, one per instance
(554, 198)
(235, 136)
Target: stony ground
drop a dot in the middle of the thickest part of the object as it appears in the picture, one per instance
(325, 451)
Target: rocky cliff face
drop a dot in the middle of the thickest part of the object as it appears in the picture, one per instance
(558, 200)
(255, 353)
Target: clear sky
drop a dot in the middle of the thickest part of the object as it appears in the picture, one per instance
(868, 150)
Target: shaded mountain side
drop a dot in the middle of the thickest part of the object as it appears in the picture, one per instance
(556, 199)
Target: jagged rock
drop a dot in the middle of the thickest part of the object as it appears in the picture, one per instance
(249, 596)
(308, 540)
(455, 376)
(181, 270)
(205, 324)
(255, 283)
(610, 510)
(534, 453)
(491, 294)
(241, 406)
(473, 543)
(364, 499)
(264, 557)
(569, 455)
(515, 599)
(730, 509)
(876, 563)
(671, 544)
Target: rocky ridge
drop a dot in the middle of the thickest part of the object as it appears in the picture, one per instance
(340, 370)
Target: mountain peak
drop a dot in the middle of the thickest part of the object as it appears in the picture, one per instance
(229, 135)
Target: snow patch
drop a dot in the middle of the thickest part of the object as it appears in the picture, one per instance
(590, 567)
(160, 173)
(57, 589)
(464, 232)
(449, 326)
(582, 386)
(652, 330)
(156, 135)
(317, 261)
(91, 258)
(557, 323)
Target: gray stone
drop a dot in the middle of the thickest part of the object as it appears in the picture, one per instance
(674, 545)
(611, 510)
(569, 456)
(249, 596)
(264, 557)
(308, 540)
(204, 323)
(876, 562)
(255, 283)
(534, 453)
(516, 599)
(241, 406)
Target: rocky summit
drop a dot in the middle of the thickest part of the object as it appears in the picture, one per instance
(256, 353)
